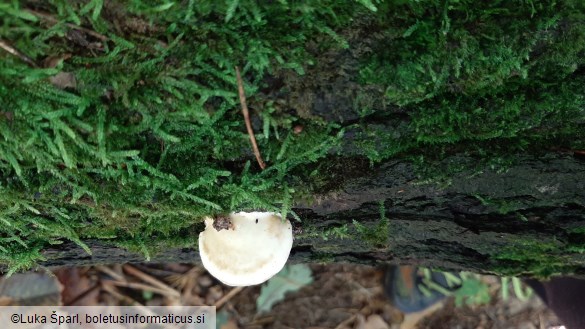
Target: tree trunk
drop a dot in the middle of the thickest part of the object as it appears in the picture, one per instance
(526, 220)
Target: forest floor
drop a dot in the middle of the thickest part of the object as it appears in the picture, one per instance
(340, 296)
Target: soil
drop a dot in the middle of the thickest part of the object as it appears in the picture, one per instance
(352, 296)
(341, 296)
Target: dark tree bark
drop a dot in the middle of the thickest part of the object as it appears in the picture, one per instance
(523, 221)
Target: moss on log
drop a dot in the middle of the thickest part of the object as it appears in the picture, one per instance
(451, 136)
(526, 221)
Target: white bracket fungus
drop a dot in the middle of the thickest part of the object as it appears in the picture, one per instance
(247, 250)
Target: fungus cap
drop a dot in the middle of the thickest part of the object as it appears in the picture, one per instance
(251, 251)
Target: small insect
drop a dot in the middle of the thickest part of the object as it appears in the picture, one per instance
(222, 223)
(256, 220)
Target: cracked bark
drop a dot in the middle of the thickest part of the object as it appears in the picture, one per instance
(451, 227)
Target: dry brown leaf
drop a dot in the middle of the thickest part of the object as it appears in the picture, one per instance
(7, 301)
(64, 80)
(61, 80)
(183, 280)
(52, 61)
(75, 285)
(373, 321)
(412, 319)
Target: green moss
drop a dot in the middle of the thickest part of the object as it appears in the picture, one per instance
(375, 235)
(533, 257)
(322, 258)
(507, 73)
(338, 232)
(576, 240)
(431, 49)
(148, 245)
(150, 138)
(502, 207)
(578, 230)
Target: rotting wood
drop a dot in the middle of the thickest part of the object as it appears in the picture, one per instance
(445, 227)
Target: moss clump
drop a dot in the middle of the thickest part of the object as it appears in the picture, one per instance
(148, 136)
(508, 73)
(376, 235)
(322, 258)
(338, 232)
(533, 257)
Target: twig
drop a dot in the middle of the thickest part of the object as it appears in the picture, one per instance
(227, 297)
(114, 292)
(181, 280)
(53, 20)
(246, 114)
(4, 45)
(138, 286)
(346, 322)
(110, 272)
(82, 295)
(147, 278)
(260, 321)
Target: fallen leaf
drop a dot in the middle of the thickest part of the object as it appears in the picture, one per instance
(64, 80)
(373, 321)
(290, 278)
(412, 319)
(7, 301)
(74, 286)
(53, 61)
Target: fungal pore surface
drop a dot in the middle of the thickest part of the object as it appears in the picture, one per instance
(248, 248)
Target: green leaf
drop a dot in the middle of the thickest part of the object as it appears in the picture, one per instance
(291, 278)
(472, 292)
